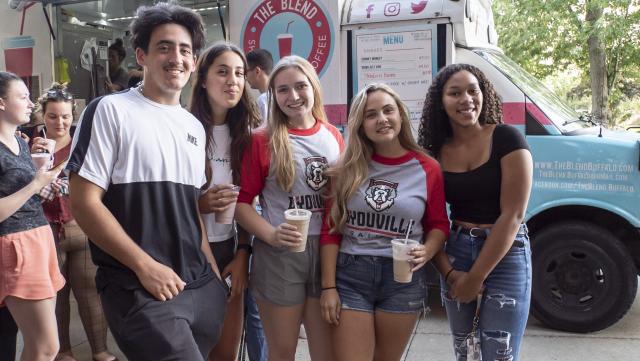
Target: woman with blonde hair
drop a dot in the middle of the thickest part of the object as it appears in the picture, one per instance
(286, 161)
(383, 187)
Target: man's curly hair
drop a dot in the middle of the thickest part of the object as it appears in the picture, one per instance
(435, 127)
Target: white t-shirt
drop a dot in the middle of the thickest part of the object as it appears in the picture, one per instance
(220, 162)
(263, 106)
(149, 158)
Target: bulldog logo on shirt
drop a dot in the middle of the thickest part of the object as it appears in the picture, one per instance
(381, 194)
(314, 171)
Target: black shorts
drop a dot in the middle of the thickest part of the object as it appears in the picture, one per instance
(186, 327)
(223, 252)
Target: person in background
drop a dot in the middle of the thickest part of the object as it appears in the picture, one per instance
(260, 64)
(284, 165)
(58, 107)
(225, 108)
(29, 272)
(488, 174)
(136, 169)
(118, 77)
(382, 173)
(135, 77)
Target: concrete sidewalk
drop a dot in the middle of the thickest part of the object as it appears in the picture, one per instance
(432, 340)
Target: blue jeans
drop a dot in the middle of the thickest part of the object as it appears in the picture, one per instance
(254, 333)
(505, 302)
(365, 283)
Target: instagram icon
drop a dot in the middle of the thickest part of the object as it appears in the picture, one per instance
(391, 9)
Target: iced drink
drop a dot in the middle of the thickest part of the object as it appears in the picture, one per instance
(41, 160)
(299, 218)
(401, 266)
(285, 42)
(50, 144)
(226, 216)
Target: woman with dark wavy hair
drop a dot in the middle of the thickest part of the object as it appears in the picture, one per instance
(487, 166)
(221, 102)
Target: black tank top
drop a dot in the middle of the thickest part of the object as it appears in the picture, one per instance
(474, 196)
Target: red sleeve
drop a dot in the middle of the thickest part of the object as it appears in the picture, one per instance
(255, 167)
(337, 135)
(326, 236)
(435, 214)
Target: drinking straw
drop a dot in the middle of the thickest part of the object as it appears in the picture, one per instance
(295, 205)
(44, 134)
(406, 239)
(289, 23)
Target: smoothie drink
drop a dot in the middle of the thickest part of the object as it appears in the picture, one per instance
(299, 218)
(401, 266)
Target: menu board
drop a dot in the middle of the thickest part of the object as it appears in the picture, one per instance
(401, 58)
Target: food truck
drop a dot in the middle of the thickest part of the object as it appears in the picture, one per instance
(584, 211)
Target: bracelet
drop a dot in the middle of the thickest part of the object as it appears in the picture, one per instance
(328, 288)
(446, 277)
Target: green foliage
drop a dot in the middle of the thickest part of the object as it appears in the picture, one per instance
(548, 37)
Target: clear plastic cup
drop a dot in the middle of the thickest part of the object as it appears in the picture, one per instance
(50, 144)
(401, 266)
(226, 216)
(42, 160)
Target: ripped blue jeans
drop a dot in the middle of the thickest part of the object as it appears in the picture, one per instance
(505, 304)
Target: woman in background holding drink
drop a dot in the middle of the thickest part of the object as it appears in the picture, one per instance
(383, 188)
(225, 109)
(58, 106)
(285, 166)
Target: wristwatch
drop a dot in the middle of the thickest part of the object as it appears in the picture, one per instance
(246, 247)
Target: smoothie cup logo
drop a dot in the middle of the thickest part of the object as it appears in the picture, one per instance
(285, 42)
(18, 55)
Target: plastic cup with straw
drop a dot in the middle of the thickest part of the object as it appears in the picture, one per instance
(401, 257)
(44, 160)
(285, 42)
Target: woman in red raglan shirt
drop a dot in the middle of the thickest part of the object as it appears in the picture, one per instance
(383, 188)
(285, 166)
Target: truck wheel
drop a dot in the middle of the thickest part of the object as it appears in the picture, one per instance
(584, 279)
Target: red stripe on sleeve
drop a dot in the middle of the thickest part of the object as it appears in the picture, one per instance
(326, 236)
(337, 135)
(255, 167)
(435, 215)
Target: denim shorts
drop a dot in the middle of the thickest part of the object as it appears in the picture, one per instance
(365, 283)
(505, 304)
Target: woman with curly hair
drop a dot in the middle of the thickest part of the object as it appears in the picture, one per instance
(486, 264)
